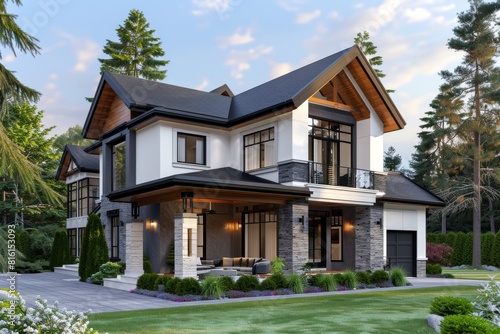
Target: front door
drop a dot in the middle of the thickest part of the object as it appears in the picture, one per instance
(317, 239)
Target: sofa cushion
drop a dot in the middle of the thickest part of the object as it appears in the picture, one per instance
(237, 261)
(227, 262)
(250, 262)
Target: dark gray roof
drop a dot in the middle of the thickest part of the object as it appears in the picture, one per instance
(399, 188)
(226, 178)
(84, 161)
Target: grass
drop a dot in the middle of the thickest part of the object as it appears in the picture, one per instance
(472, 274)
(377, 311)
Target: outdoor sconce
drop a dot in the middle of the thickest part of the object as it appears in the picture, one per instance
(187, 202)
(302, 220)
(152, 224)
(136, 210)
(379, 222)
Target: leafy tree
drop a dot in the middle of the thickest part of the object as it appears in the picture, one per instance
(137, 51)
(94, 251)
(475, 84)
(369, 49)
(12, 162)
(72, 136)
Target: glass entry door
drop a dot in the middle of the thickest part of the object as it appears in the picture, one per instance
(317, 241)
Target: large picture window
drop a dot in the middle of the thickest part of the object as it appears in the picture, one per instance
(261, 234)
(82, 197)
(259, 149)
(72, 241)
(191, 149)
(72, 199)
(118, 170)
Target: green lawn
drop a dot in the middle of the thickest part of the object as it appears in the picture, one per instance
(377, 311)
(472, 274)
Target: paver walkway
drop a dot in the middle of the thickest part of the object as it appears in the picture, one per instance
(75, 295)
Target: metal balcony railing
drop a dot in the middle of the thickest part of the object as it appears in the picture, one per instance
(341, 176)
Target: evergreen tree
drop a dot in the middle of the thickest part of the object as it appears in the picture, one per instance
(475, 84)
(487, 243)
(137, 51)
(467, 251)
(495, 253)
(441, 238)
(94, 250)
(392, 160)
(431, 237)
(458, 249)
(60, 250)
(451, 237)
(370, 51)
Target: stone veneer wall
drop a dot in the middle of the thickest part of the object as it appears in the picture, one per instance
(125, 217)
(293, 171)
(293, 235)
(421, 270)
(369, 238)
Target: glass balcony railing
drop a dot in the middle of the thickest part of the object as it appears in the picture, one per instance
(341, 176)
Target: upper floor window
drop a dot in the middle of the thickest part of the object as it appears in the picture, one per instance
(82, 197)
(259, 149)
(191, 148)
(118, 170)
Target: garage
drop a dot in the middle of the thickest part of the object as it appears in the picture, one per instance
(401, 251)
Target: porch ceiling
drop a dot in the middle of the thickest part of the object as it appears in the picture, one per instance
(226, 184)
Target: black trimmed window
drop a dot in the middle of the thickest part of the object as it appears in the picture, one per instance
(72, 199)
(261, 234)
(258, 149)
(118, 170)
(336, 230)
(115, 237)
(82, 197)
(191, 148)
(72, 241)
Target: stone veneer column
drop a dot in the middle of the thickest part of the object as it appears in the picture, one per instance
(369, 238)
(134, 246)
(293, 234)
(421, 270)
(185, 266)
(293, 171)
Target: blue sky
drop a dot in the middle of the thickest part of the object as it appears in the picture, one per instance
(241, 43)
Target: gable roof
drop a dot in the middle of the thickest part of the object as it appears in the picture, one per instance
(401, 189)
(84, 161)
(281, 94)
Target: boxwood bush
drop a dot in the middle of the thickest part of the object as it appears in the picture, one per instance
(279, 279)
(379, 276)
(460, 323)
(162, 280)
(226, 283)
(247, 283)
(433, 269)
(147, 281)
(451, 305)
(188, 286)
(268, 284)
(363, 277)
(172, 284)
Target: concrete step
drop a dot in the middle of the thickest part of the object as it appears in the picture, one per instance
(122, 282)
(68, 269)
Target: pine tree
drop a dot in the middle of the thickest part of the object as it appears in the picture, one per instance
(467, 251)
(495, 253)
(487, 242)
(475, 83)
(458, 249)
(94, 250)
(137, 51)
(60, 250)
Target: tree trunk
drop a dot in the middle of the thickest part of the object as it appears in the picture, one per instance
(443, 222)
(476, 215)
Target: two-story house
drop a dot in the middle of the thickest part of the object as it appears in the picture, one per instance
(291, 168)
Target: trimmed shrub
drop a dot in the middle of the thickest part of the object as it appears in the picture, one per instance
(60, 250)
(350, 280)
(451, 305)
(268, 284)
(279, 279)
(487, 243)
(107, 270)
(339, 279)
(438, 253)
(146, 264)
(431, 237)
(147, 282)
(495, 254)
(188, 286)
(161, 280)
(94, 251)
(398, 276)
(363, 277)
(459, 323)
(210, 287)
(296, 283)
(458, 249)
(433, 269)
(467, 251)
(277, 265)
(440, 238)
(171, 286)
(327, 282)
(379, 276)
(248, 283)
(447, 275)
(226, 283)
(23, 244)
(451, 237)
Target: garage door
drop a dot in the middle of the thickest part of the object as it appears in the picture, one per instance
(401, 250)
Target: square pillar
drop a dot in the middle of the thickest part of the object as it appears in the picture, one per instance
(293, 234)
(134, 245)
(185, 234)
(369, 238)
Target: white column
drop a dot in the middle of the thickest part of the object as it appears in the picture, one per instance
(134, 247)
(185, 234)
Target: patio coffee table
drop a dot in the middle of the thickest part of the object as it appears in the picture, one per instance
(223, 272)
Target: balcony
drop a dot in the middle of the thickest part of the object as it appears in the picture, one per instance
(341, 176)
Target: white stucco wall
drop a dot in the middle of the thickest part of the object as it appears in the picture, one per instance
(402, 217)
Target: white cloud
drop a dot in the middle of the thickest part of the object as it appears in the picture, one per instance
(203, 85)
(446, 8)
(306, 17)
(86, 52)
(9, 58)
(333, 15)
(290, 5)
(238, 38)
(417, 14)
(50, 86)
(239, 61)
(53, 76)
(279, 69)
(221, 7)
